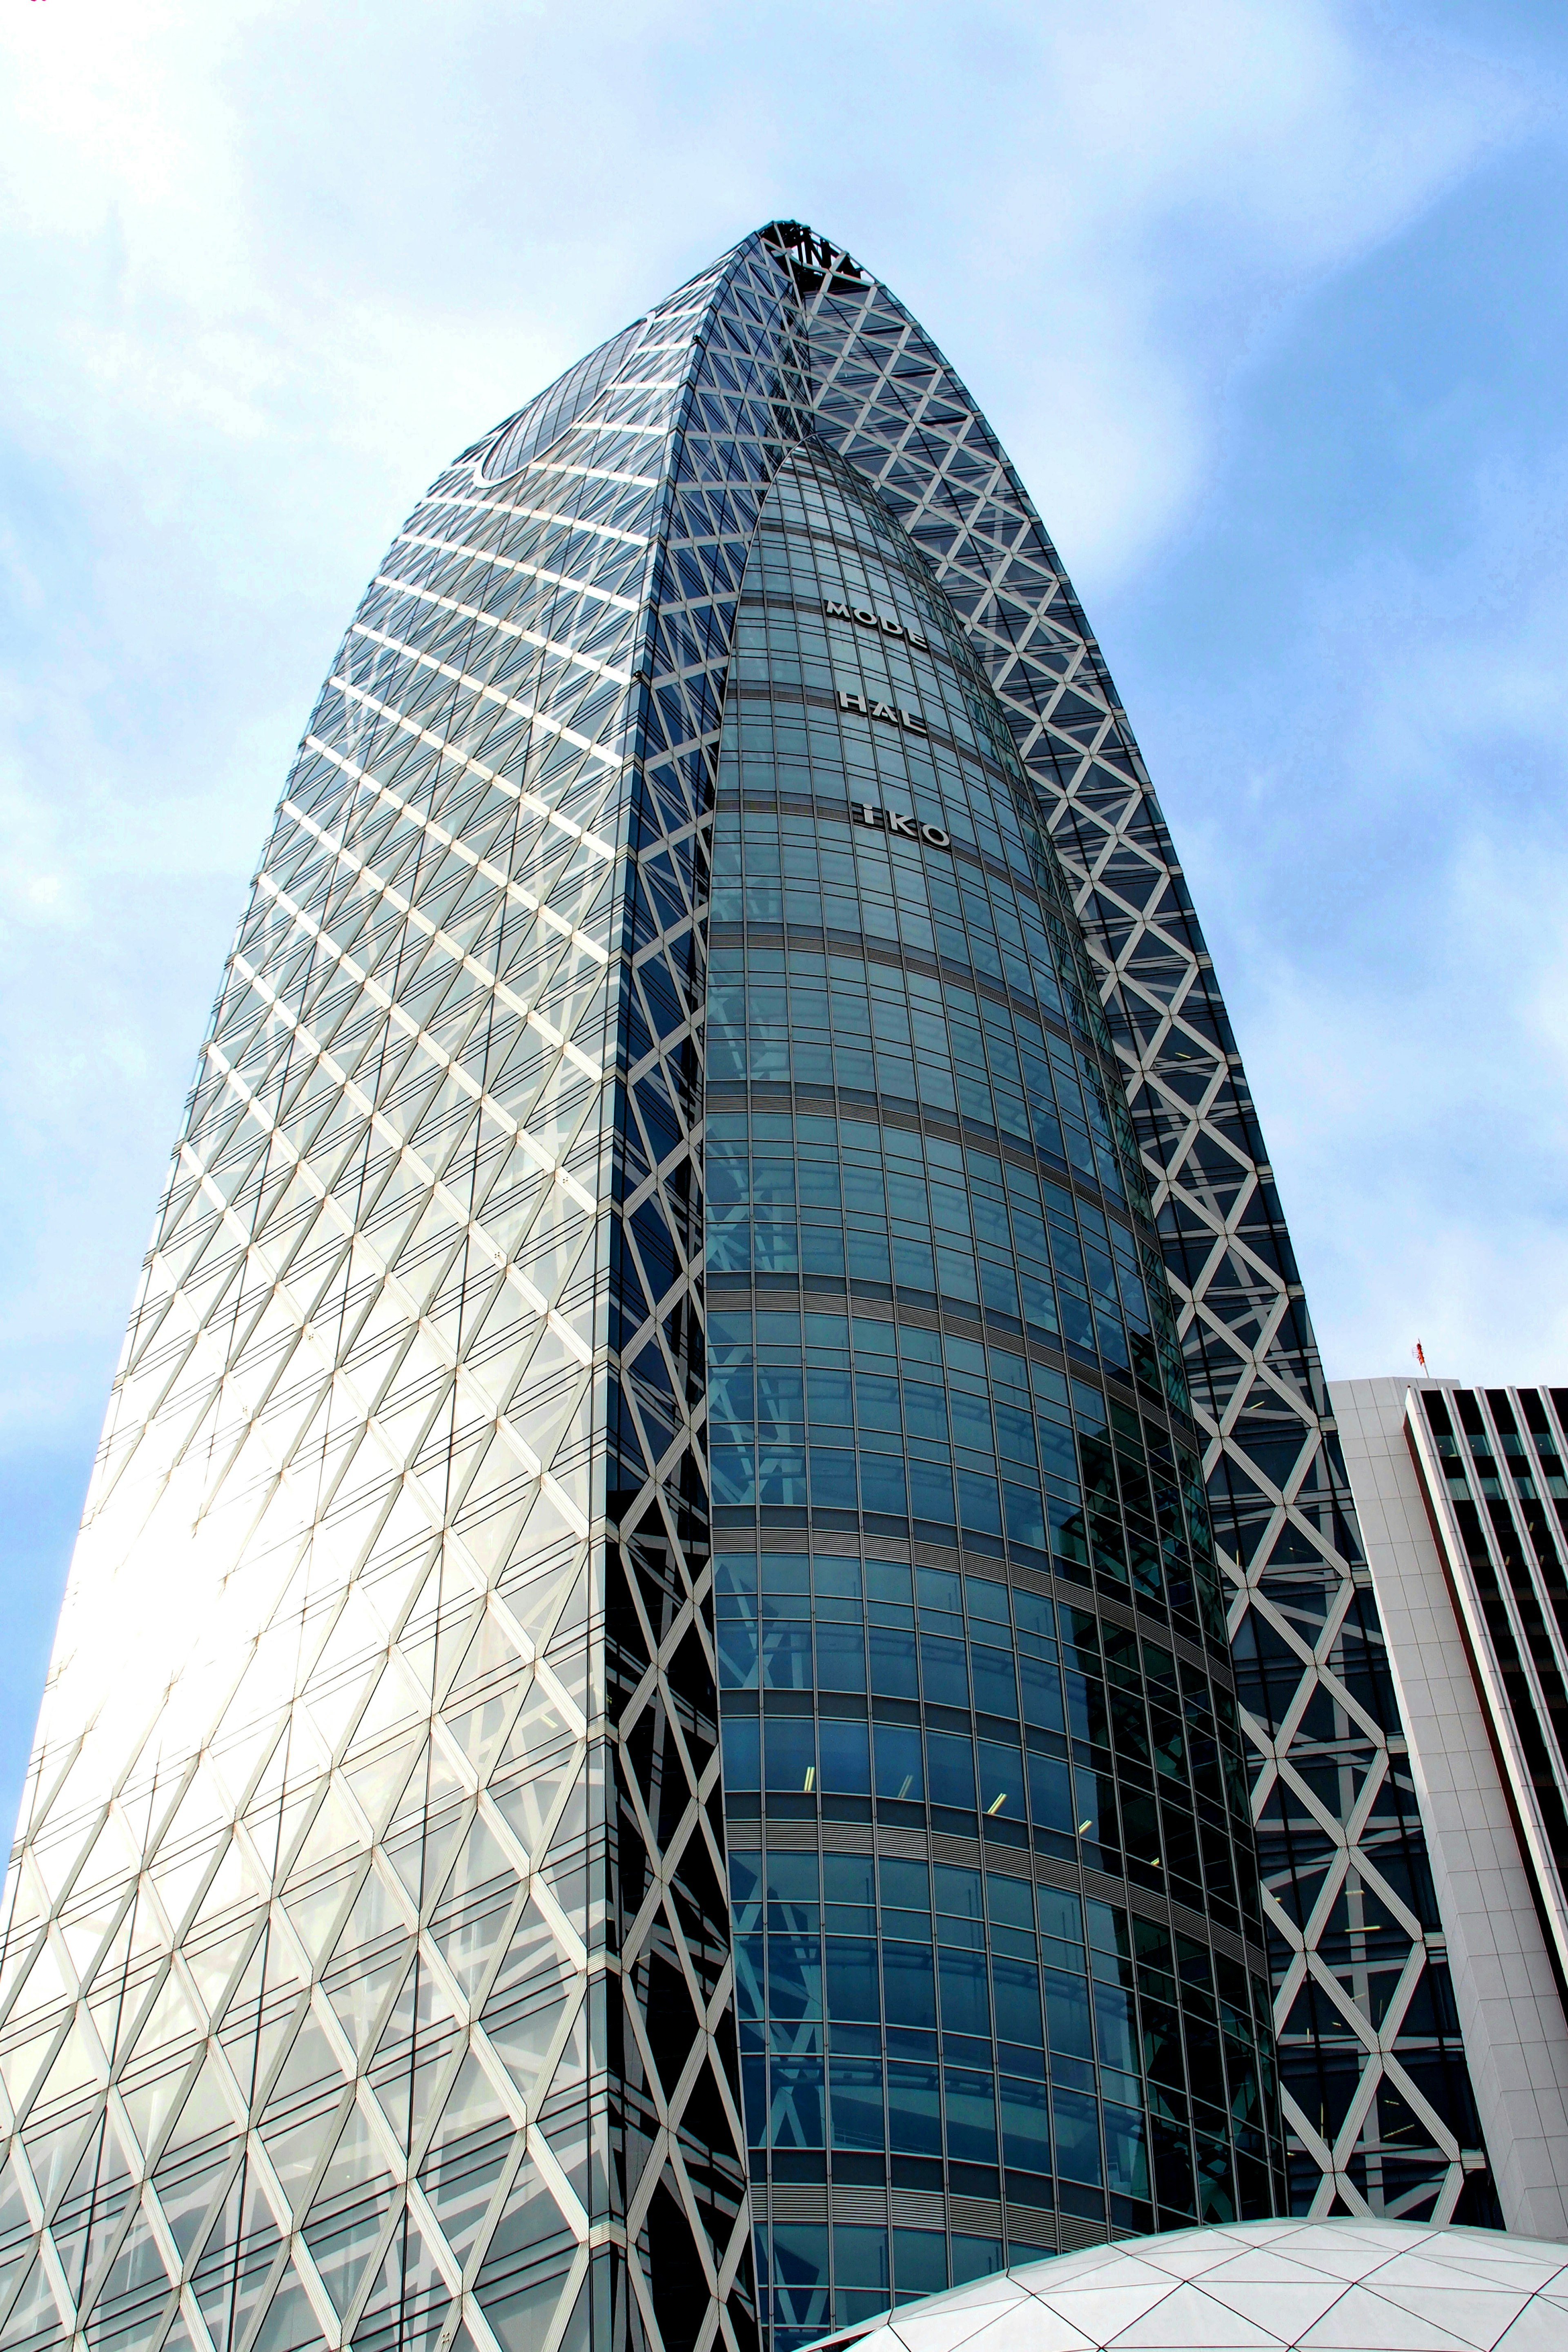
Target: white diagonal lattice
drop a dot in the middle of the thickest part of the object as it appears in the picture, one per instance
(366, 1976)
(1357, 2072)
(327, 1903)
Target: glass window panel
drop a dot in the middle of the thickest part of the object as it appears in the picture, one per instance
(966, 1995)
(1010, 1900)
(792, 1881)
(901, 1768)
(846, 1758)
(1001, 1781)
(973, 2257)
(969, 2098)
(919, 2263)
(742, 1761)
(949, 1760)
(745, 1889)
(1061, 1915)
(786, 1657)
(860, 2257)
(958, 1890)
(848, 1878)
(1066, 2012)
(795, 2109)
(945, 1672)
(1025, 2124)
(906, 1885)
(1076, 2122)
(856, 2094)
(795, 1979)
(909, 1984)
(914, 2110)
(790, 1745)
(1016, 1984)
(1126, 2152)
(852, 1983)
(995, 1681)
(800, 2274)
(1042, 1694)
(1114, 2028)
(840, 1657)
(737, 1647)
(893, 1663)
(837, 1578)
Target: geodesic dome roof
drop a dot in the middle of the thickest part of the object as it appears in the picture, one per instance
(1264, 2286)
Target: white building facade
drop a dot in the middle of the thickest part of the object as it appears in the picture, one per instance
(1463, 1504)
(1277, 2286)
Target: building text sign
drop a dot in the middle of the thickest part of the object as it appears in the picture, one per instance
(886, 624)
(904, 828)
(869, 708)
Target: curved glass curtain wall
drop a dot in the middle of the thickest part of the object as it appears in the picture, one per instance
(552, 411)
(979, 1730)
(1378, 2109)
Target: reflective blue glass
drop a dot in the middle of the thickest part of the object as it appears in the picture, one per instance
(964, 1583)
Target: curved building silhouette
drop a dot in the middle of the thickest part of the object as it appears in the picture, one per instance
(643, 1742)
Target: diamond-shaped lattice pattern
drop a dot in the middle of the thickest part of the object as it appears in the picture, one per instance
(1376, 2098)
(367, 1975)
(367, 1971)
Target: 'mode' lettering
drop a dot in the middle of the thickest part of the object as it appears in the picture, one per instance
(888, 623)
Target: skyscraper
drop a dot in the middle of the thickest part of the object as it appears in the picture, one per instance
(718, 834)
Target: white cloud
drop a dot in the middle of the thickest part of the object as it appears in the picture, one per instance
(1204, 167)
(1393, 945)
(265, 267)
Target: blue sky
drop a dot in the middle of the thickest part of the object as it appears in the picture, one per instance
(1267, 300)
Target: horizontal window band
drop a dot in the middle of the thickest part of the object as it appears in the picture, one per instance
(1011, 1831)
(808, 941)
(860, 2193)
(777, 1528)
(888, 1110)
(780, 1834)
(1068, 1596)
(728, 803)
(937, 648)
(1060, 1589)
(729, 1523)
(866, 2189)
(800, 2193)
(840, 1707)
(753, 695)
(1057, 737)
(829, 1294)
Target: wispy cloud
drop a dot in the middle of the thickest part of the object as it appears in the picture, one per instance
(1385, 890)
(265, 267)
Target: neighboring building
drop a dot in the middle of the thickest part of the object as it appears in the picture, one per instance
(370, 1970)
(1281, 2286)
(1463, 1501)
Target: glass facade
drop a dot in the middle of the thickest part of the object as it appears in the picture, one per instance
(970, 1645)
(379, 1966)
(1501, 1488)
(367, 1972)
(1333, 1801)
